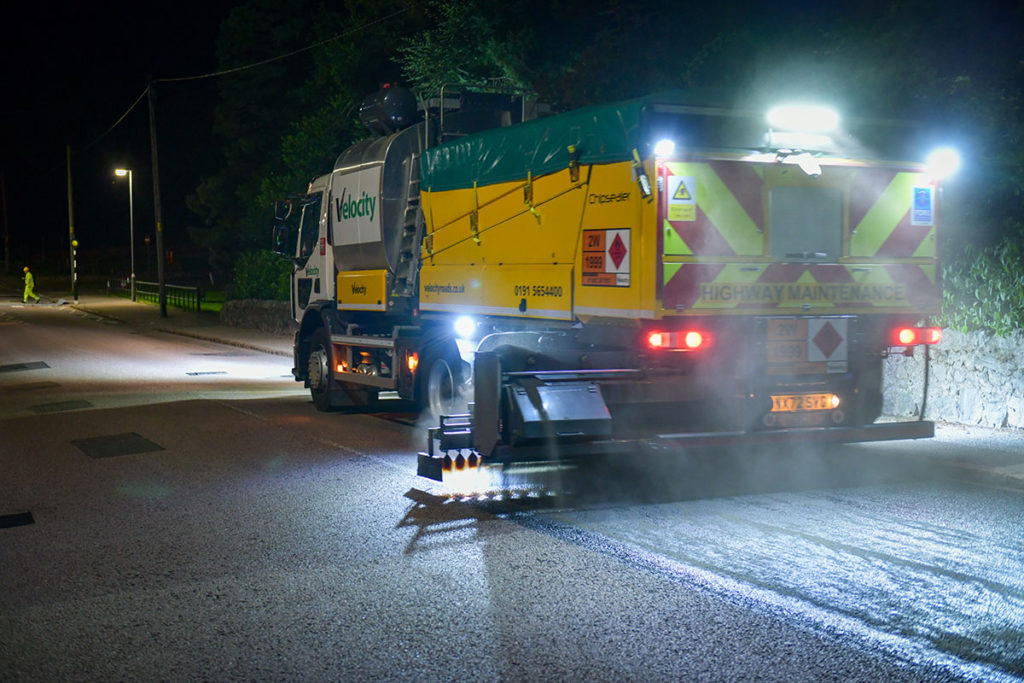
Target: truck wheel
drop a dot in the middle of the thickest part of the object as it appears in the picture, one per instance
(441, 384)
(327, 394)
(321, 370)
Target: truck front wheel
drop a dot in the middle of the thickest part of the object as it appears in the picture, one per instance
(321, 374)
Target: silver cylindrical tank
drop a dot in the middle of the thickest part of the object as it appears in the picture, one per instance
(369, 198)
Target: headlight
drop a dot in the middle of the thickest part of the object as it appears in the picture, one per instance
(465, 327)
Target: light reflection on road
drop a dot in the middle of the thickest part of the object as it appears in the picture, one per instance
(931, 572)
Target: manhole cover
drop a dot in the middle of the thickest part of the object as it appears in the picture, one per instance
(116, 445)
(208, 372)
(13, 367)
(60, 406)
(31, 386)
(16, 519)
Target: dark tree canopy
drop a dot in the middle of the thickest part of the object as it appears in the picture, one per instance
(954, 67)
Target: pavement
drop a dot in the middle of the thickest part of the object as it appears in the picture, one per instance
(94, 299)
(198, 325)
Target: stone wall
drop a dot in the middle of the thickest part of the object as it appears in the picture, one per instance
(974, 378)
(267, 316)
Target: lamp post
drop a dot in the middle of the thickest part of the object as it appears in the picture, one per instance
(121, 172)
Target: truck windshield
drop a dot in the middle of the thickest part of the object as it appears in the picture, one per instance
(309, 223)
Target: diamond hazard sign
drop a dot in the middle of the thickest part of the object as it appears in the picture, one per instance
(617, 251)
(827, 339)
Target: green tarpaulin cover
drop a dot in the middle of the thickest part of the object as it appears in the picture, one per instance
(600, 133)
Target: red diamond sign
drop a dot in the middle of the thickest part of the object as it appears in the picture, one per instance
(827, 340)
(617, 251)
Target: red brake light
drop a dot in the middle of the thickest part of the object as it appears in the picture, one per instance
(912, 336)
(693, 340)
(684, 340)
(908, 336)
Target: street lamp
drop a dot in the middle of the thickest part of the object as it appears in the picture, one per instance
(122, 172)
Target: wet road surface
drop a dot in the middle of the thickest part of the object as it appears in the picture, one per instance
(241, 535)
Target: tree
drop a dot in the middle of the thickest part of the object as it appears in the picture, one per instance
(286, 120)
(461, 46)
(256, 106)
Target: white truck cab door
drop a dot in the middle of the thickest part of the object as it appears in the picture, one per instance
(314, 271)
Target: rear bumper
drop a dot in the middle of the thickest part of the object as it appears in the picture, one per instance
(433, 465)
(887, 431)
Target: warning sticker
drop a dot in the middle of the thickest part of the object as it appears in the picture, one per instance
(921, 212)
(606, 258)
(827, 340)
(682, 198)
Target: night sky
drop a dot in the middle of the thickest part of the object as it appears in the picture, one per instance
(70, 70)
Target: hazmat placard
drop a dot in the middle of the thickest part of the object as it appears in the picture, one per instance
(606, 258)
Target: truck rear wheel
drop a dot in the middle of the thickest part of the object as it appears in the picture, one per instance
(441, 386)
(327, 394)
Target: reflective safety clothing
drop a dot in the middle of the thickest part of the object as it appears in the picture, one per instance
(30, 284)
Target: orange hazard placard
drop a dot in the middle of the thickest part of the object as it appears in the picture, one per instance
(606, 258)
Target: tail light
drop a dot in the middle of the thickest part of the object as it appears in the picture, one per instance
(913, 336)
(680, 340)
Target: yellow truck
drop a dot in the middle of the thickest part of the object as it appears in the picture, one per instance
(656, 270)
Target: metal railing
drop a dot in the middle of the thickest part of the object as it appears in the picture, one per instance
(187, 298)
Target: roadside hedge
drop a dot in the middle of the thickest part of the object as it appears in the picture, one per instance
(983, 289)
(261, 275)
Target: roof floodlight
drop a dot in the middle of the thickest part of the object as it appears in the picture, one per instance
(807, 118)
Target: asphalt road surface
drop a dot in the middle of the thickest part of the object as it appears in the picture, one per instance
(176, 509)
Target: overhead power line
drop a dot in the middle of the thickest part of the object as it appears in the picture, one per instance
(116, 123)
(284, 56)
(225, 72)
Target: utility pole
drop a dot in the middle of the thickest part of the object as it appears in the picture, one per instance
(156, 203)
(71, 233)
(7, 229)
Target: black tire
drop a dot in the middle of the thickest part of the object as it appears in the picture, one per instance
(441, 383)
(321, 371)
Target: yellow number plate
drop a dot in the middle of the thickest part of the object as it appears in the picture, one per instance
(790, 403)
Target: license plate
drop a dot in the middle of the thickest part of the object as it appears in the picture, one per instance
(789, 403)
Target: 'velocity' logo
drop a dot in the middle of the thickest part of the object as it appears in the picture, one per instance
(346, 207)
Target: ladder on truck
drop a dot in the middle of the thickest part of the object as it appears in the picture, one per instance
(412, 234)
